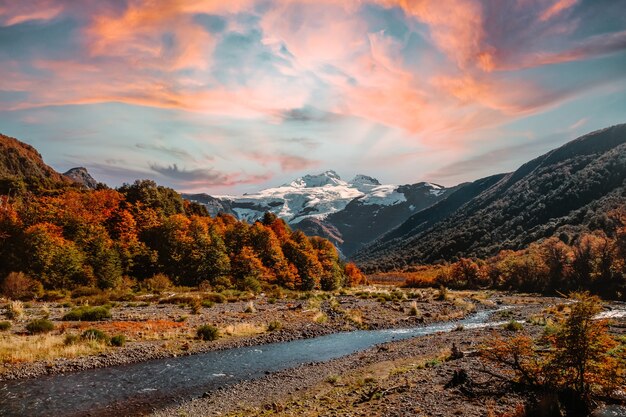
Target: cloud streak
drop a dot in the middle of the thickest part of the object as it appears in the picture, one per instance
(432, 75)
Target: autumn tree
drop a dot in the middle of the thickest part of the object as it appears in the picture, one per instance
(354, 276)
(578, 357)
(52, 259)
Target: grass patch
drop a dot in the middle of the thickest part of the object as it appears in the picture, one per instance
(208, 332)
(40, 326)
(513, 326)
(87, 313)
(243, 329)
(274, 325)
(118, 340)
(95, 335)
(16, 349)
(4, 326)
(320, 317)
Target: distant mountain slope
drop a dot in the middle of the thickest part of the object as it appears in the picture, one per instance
(349, 213)
(562, 192)
(82, 176)
(17, 159)
(360, 222)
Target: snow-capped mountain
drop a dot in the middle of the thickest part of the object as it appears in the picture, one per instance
(327, 205)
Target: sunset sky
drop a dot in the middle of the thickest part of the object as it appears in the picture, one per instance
(232, 96)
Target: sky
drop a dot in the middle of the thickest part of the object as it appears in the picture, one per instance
(232, 96)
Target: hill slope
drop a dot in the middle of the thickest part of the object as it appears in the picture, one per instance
(562, 192)
(22, 162)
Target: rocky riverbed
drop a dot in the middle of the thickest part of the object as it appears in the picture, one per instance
(165, 328)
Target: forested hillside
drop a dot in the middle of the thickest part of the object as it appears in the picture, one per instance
(562, 193)
(21, 168)
(68, 237)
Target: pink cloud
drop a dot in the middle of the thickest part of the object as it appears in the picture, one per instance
(286, 161)
(19, 11)
(558, 7)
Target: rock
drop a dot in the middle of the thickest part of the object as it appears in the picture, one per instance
(610, 411)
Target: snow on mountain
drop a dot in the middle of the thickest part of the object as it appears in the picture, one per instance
(312, 196)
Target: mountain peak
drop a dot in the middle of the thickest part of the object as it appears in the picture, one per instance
(82, 176)
(329, 177)
(361, 179)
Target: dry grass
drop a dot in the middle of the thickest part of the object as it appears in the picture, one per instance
(143, 330)
(243, 329)
(15, 349)
(465, 305)
(355, 316)
(15, 309)
(320, 317)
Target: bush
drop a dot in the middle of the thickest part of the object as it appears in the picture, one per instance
(208, 332)
(581, 356)
(442, 294)
(249, 308)
(274, 325)
(215, 297)
(158, 283)
(40, 326)
(53, 295)
(85, 292)
(87, 313)
(196, 306)
(71, 339)
(119, 340)
(5, 325)
(513, 326)
(15, 309)
(222, 283)
(18, 286)
(250, 284)
(94, 335)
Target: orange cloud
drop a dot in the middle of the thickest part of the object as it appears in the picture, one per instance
(557, 8)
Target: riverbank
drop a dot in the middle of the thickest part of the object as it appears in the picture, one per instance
(165, 326)
(409, 377)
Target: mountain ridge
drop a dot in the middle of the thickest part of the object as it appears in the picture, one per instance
(563, 191)
(349, 213)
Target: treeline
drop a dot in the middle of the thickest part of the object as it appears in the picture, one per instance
(73, 238)
(594, 261)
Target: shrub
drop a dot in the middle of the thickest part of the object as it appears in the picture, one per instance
(53, 295)
(158, 283)
(40, 326)
(119, 340)
(71, 339)
(580, 359)
(15, 309)
(514, 326)
(196, 306)
(215, 297)
(5, 325)
(208, 332)
(85, 292)
(19, 286)
(94, 335)
(222, 283)
(442, 293)
(250, 284)
(250, 308)
(204, 286)
(87, 313)
(274, 325)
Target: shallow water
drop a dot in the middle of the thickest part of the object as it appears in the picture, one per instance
(142, 386)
